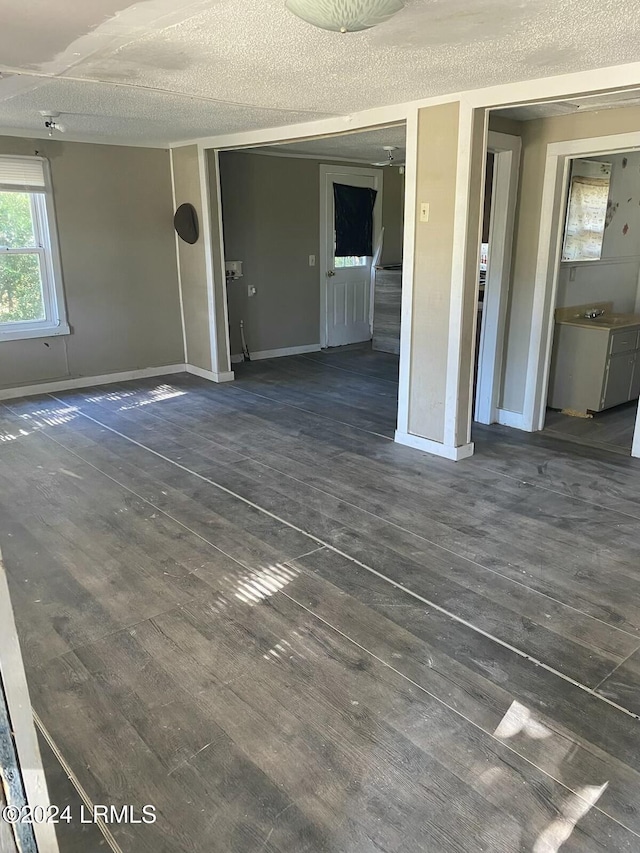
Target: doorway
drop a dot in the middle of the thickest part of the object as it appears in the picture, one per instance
(319, 343)
(346, 280)
(594, 370)
(501, 191)
(549, 284)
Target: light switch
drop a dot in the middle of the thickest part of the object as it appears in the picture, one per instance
(312, 260)
(251, 291)
(424, 211)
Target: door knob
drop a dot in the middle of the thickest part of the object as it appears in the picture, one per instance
(330, 273)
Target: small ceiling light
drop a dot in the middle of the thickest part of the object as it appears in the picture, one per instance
(344, 16)
(51, 121)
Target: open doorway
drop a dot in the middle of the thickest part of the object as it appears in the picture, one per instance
(594, 367)
(313, 237)
(494, 274)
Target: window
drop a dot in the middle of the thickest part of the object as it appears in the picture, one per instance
(351, 261)
(586, 210)
(31, 302)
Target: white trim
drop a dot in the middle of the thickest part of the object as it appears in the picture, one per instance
(635, 446)
(237, 358)
(277, 353)
(21, 716)
(511, 419)
(207, 241)
(226, 376)
(375, 172)
(222, 270)
(458, 274)
(32, 331)
(178, 271)
(408, 253)
(507, 151)
(88, 381)
(434, 447)
(548, 263)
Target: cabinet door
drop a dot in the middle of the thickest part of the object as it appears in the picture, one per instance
(617, 383)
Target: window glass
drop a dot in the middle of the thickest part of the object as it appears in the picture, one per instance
(586, 210)
(20, 288)
(351, 261)
(16, 221)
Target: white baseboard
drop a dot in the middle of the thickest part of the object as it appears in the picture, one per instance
(237, 359)
(227, 376)
(277, 353)
(434, 447)
(88, 381)
(512, 419)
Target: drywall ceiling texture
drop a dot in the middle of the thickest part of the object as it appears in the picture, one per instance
(252, 64)
(366, 146)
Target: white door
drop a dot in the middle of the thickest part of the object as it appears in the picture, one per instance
(346, 283)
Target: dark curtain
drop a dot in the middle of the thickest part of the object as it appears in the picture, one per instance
(354, 220)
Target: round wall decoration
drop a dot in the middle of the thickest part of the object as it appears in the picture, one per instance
(185, 222)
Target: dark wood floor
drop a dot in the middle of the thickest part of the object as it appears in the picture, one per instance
(610, 430)
(245, 605)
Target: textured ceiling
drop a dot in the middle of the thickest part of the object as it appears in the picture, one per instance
(629, 98)
(163, 71)
(366, 145)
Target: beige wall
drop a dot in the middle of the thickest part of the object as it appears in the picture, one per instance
(433, 260)
(536, 135)
(271, 212)
(191, 261)
(113, 211)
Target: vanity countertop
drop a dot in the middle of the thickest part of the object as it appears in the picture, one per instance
(605, 321)
(574, 316)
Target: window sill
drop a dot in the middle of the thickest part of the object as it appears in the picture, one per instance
(33, 332)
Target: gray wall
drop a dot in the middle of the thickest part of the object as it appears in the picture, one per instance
(114, 217)
(271, 213)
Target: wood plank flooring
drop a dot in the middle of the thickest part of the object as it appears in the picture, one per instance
(245, 605)
(611, 430)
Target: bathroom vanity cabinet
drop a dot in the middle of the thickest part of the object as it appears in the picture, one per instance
(595, 364)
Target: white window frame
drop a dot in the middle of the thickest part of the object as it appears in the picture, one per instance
(47, 248)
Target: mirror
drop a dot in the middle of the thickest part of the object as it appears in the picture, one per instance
(586, 210)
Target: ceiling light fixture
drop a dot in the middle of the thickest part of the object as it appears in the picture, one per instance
(344, 16)
(51, 123)
(391, 160)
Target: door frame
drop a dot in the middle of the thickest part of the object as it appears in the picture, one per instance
(506, 173)
(324, 265)
(554, 202)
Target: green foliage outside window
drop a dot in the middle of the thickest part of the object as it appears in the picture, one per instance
(20, 274)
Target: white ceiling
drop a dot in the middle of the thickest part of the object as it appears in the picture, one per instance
(529, 112)
(366, 146)
(168, 70)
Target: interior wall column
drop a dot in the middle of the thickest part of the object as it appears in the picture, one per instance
(201, 268)
(445, 166)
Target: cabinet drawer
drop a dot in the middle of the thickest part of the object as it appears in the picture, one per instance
(624, 340)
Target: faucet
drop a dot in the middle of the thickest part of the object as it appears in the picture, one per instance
(592, 313)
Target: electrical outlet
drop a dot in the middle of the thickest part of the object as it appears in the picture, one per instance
(251, 291)
(424, 211)
(312, 260)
